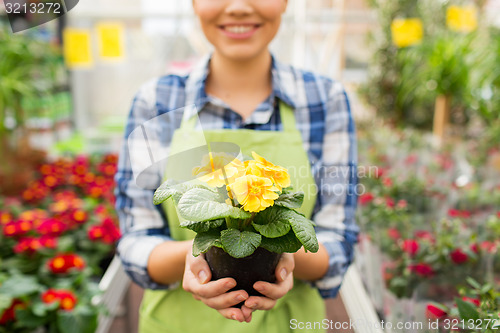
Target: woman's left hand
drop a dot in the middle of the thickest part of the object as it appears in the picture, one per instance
(272, 291)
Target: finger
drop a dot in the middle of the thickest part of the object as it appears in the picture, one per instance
(233, 313)
(226, 300)
(260, 303)
(247, 313)
(210, 289)
(200, 268)
(274, 290)
(285, 266)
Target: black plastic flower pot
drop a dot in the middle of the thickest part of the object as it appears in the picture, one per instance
(259, 266)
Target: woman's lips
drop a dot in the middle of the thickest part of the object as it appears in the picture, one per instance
(242, 31)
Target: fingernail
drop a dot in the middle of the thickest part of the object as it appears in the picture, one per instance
(202, 276)
(231, 284)
(240, 298)
(234, 317)
(283, 274)
(252, 305)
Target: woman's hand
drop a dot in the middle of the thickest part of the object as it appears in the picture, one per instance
(214, 294)
(272, 291)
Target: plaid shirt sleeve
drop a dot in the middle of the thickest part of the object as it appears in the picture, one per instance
(142, 223)
(336, 177)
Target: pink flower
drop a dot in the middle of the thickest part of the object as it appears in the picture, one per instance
(387, 182)
(458, 256)
(393, 233)
(425, 235)
(410, 246)
(456, 213)
(389, 202)
(402, 204)
(422, 269)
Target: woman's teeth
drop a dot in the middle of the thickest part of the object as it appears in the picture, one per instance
(239, 29)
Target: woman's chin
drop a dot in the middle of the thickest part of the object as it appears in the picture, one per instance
(241, 53)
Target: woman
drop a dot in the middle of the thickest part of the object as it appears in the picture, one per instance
(240, 90)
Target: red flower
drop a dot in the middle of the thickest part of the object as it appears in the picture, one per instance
(456, 213)
(95, 232)
(10, 313)
(5, 218)
(62, 263)
(49, 242)
(79, 216)
(498, 214)
(52, 227)
(393, 233)
(28, 245)
(474, 248)
(67, 300)
(111, 231)
(435, 311)
(17, 228)
(366, 198)
(422, 269)
(458, 256)
(474, 301)
(410, 246)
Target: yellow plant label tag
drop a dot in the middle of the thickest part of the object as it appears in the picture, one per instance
(110, 36)
(77, 48)
(406, 32)
(461, 18)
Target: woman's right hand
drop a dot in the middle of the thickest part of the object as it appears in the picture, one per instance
(214, 294)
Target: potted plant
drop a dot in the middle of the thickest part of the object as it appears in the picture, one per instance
(244, 215)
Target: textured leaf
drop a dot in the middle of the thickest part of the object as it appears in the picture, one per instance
(205, 240)
(466, 309)
(304, 230)
(170, 189)
(290, 200)
(203, 226)
(272, 222)
(80, 320)
(288, 243)
(19, 286)
(5, 302)
(239, 244)
(202, 205)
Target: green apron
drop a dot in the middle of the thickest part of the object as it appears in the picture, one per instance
(176, 311)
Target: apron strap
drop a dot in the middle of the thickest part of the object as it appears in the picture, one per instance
(286, 114)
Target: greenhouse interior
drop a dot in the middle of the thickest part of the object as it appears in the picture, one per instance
(423, 85)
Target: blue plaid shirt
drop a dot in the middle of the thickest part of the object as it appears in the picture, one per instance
(324, 119)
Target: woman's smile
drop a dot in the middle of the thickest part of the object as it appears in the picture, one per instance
(239, 30)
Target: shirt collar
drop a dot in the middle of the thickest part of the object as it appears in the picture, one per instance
(282, 83)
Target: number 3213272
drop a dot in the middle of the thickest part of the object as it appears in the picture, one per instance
(33, 8)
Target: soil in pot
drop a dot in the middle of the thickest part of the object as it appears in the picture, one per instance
(260, 266)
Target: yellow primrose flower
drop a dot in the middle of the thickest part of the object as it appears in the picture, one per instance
(254, 193)
(263, 168)
(213, 165)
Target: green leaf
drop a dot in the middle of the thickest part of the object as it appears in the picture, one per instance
(240, 244)
(202, 205)
(290, 200)
(272, 222)
(202, 226)
(466, 309)
(170, 189)
(5, 302)
(473, 282)
(29, 319)
(288, 243)
(81, 320)
(205, 240)
(304, 230)
(19, 285)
